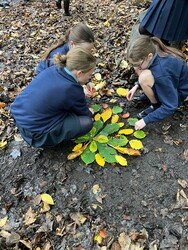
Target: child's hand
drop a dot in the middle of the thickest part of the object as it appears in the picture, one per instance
(89, 90)
(131, 93)
(139, 124)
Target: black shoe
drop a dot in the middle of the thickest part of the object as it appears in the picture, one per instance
(145, 112)
(5, 5)
(67, 14)
(58, 4)
(141, 98)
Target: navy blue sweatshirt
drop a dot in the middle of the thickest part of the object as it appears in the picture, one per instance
(44, 64)
(170, 86)
(47, 100)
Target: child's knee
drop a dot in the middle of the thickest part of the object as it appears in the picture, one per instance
(86, 123)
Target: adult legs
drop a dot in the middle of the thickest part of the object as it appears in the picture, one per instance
(66, 6)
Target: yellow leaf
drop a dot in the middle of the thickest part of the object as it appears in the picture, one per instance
(3, 221)
(115, 119)
(98, 238)
(100, 85)
(97, 117)
(47, 199)
(136, 144)
(96, 189)
(127, 131)
(122, 91)
(73, 155)
(107, 24)
(100, 160)
(106, 114)
(98, 76)
(3, 144)
(121, 124)
(101, 138)
(121, 160)
(124, 64)
(101, 64)
(128, 151)
(77, 147)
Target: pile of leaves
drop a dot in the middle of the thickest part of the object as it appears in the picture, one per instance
(108, 138)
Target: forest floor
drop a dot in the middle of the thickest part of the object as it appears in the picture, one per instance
(141, 206)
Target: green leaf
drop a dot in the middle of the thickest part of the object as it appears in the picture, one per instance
(101, 139)
(92, 132)
(87, 156)
(107, 152)
(93, 146)
(96, 107)
(119, 141)
(83, 138)
(140, 134)
(110, 129)
(98, 125)
(132, 121)
(117, 110)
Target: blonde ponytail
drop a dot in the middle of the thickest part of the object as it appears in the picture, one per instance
(77, 59)
(60, 59)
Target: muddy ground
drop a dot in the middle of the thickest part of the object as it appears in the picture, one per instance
(143, 200)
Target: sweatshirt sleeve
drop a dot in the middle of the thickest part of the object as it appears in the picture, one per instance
(42, 65)
(167, 95)
(79, 105)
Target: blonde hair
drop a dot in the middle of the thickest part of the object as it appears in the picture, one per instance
(80, 33)
(76, 59)
(139, 49)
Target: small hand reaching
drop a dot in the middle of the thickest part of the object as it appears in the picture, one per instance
(131, 93)
(140, 124)
(89, 90)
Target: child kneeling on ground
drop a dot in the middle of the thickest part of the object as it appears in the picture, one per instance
(163, 77)
(52, 108)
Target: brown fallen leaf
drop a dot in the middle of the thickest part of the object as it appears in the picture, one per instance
(183, 183)
(124, 241)
(115, 246)
(185, 154)
(30, 217)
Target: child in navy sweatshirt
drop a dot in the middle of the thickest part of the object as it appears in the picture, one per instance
(79, 35)
(163, 77)
(52, 108)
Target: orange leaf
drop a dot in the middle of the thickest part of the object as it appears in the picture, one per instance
(125, 115)
(103, 233)
(2, 105)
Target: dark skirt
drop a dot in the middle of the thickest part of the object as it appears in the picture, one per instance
(167, 19)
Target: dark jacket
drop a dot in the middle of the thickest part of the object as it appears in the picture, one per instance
(44, 64)
(47, 100)
(167, 19)
(170, 86)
